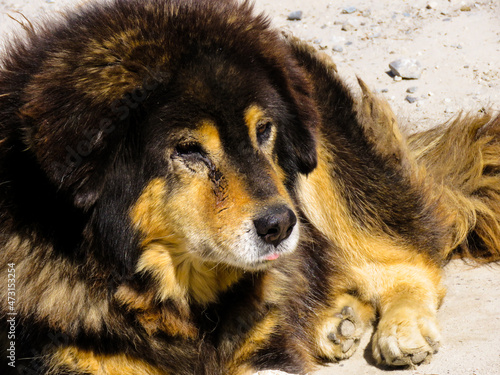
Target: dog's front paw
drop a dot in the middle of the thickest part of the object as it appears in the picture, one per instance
(341, 329)
(406, 336)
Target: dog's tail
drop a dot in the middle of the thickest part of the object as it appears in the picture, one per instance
(464, 157)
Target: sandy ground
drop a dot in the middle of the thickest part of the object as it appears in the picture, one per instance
(458, 45)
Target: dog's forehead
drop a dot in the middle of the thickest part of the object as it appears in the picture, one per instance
(218, 80)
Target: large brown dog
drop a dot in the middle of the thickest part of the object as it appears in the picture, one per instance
(184, 191)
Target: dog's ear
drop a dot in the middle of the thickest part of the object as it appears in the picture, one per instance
(297, 145)
(75, 120)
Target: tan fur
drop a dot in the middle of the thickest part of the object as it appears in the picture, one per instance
(55, 282)
(154, 318)
(462, 155)
(256, 339)
(180, 275)
(78, 360)
(381, 126)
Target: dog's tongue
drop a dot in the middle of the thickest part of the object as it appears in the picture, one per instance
(273, 256)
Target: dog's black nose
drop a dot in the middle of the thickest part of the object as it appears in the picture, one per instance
(276, 224)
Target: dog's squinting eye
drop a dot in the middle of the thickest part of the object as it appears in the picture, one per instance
(264, 129)
(191, 151)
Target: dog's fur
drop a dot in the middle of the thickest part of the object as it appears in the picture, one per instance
(140, 142)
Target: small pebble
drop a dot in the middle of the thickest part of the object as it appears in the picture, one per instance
(465, 8)
(406, 68)
(397, 78)
(432, 5)
(338, 48)
(412, 90)
(384, 90)
(348, 10)
(295, 16)
(411, 99)
(351, 24)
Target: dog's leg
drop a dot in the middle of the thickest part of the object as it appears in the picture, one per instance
(407, 294)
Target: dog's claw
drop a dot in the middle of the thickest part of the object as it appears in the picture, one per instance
(346, 345)
(333, 338)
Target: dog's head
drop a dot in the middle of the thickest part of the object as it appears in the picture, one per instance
(186, 124)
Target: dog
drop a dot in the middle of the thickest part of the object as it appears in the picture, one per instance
(186, 191)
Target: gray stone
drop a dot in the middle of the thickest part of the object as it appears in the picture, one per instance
(295, 16)
(411, 99)
(406, 68)
(338, 48)
(349, 10)
(412, 90)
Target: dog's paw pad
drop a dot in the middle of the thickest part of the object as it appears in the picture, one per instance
(347, 328)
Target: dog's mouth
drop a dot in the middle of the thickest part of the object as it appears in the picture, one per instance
(254, 253)
(271, 257)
